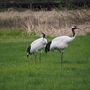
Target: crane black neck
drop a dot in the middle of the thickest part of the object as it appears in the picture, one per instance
(73, 31)
(43, 35)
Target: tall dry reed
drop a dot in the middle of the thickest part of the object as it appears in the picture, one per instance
(50, 22)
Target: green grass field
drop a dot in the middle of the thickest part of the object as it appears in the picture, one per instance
(17, 72)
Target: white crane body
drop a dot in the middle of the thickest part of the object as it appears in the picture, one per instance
(38, 45)
(60, 42)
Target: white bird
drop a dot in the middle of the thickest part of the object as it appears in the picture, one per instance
(37, 45)
(60, 43)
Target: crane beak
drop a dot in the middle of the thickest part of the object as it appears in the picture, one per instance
(79, 28)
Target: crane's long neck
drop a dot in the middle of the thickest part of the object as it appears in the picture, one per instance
(73, 31)
(43, 36)
(74, 35)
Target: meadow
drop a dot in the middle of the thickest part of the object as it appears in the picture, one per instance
(17, 72)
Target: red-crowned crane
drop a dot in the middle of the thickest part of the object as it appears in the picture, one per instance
(60, 43)
(37, 45)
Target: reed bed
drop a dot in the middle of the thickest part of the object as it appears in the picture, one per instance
(50, 22)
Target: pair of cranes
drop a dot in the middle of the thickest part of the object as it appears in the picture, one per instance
(59, 43)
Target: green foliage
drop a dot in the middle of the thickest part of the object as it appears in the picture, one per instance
(17, 72)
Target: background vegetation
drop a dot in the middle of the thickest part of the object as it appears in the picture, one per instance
(50, 22)
(49, 4)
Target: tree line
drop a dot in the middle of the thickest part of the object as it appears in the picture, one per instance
(42, 4)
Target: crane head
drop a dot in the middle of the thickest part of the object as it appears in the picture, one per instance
(74, 27)
(28, 51)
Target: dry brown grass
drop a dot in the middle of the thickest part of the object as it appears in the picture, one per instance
(50, 22)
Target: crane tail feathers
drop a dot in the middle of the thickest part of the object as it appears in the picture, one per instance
(47, 48)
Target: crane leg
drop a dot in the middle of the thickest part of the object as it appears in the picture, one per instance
(35, 57)
(61, 59)
(61, 51)
(40, 57)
